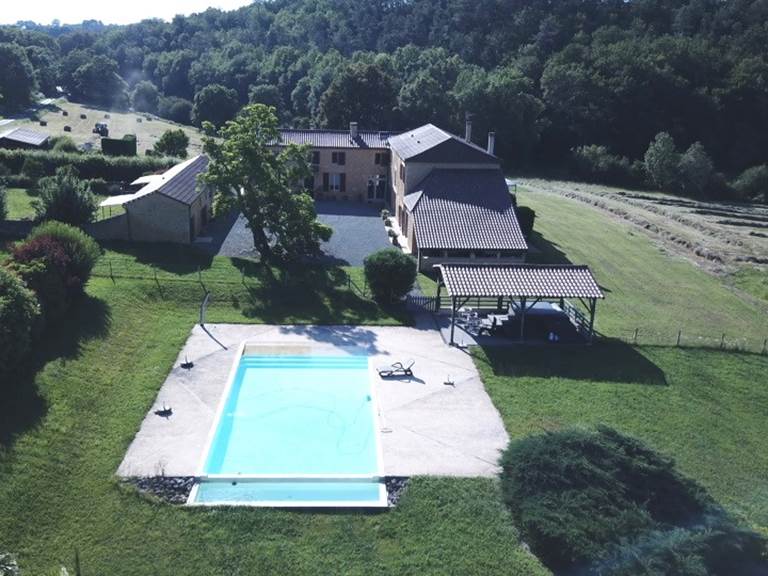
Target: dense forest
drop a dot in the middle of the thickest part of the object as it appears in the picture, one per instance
(583, 84)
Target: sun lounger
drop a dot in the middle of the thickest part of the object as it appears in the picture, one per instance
(397, 369)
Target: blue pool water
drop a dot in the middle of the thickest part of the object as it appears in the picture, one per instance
(288, 416)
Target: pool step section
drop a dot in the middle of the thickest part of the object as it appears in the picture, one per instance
(291, 492)
(310, 362)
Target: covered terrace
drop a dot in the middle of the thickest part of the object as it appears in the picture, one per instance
(520, 301)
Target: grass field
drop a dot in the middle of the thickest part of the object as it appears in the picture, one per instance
(147, 132)
(72, 424)
(705, 408)
(19, 204)
(645, 287)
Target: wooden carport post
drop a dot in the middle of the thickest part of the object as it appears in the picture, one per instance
(453, 317)
(592, 309)
(522, 318)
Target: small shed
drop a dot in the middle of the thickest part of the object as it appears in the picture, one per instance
(24, 138)
(522, 287)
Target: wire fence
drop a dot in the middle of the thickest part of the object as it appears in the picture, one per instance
(208, 280)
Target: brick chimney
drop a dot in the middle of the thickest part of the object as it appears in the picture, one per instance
(468, 128)
(491, 142)
(353, 130)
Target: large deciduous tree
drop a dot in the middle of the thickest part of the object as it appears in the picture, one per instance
(265, 185)
(98, 82)
(172, 143)
(215, 104)
(362, 92)
(17, 77)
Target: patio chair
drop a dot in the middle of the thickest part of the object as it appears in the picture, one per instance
(397, 369)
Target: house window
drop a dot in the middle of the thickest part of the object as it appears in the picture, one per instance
(339, 158)
(381, 159)
(334, 182)
(315, 157)
(402, 172)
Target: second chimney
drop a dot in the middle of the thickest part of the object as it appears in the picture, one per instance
(491, 142)
(468, 129)
(353, 130)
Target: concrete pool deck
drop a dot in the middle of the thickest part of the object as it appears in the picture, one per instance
(426, 427)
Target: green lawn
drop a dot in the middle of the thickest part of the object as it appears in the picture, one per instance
(19, 205)
(644, 288)
(752, 280)
(705, 408)
(72, 424)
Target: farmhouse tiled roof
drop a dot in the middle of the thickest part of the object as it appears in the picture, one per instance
(465, 210)
(429, 143)
(334, 138)
(25, 136)
(527, 280)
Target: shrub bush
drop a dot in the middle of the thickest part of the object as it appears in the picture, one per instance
(65, 197)
(390, 274)
(19, 310)
(111, 168)
(581, 496)
(42, 263)
(98, 186)
(752, 184)
(64, 144)
(3, 205)
(596, 164)
(80, 248)
(32, 168)
(525, 217)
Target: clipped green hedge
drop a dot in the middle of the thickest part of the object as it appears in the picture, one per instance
(390, 274)
(89, 166)
(19, 310)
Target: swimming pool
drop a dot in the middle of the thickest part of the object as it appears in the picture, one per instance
(294, 430)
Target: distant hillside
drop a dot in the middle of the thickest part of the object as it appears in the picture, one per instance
(547, 76)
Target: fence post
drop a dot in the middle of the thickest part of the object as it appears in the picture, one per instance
(765, 346)
(634, 338)
(679, 335)
(111, 275)
(722, 341)
(154, 270)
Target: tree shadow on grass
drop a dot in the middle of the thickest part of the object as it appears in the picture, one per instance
(311, 294)
(22, 405)
(172, 258)
(604, 361)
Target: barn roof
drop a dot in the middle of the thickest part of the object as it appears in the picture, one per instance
(521, 280)
(25, 136)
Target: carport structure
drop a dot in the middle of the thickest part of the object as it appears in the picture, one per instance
(521, 287)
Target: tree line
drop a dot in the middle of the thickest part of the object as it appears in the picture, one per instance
(553, 78)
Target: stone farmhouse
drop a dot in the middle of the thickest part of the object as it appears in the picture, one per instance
(448, 195)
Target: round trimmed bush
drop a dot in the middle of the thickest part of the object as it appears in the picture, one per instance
(390, 274)
(19, 311)
(43, 264)
(81, 249)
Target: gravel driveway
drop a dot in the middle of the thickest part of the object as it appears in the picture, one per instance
(357, 232)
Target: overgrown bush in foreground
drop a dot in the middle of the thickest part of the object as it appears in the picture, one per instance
(390, 274)
(599, 502)
(19, 311)
(82, 250)
(55, 261)
(65, 197)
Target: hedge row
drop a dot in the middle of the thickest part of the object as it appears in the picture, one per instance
(110, 168)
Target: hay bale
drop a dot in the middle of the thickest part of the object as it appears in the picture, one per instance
(43, 123)
(67, 128)
(83, 116)
(138, 120)
(64, 113)
(107, 116)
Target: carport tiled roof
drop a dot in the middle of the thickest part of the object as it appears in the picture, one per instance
(465, 210)
(528, 280)
(25, 136)
(335, 138)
